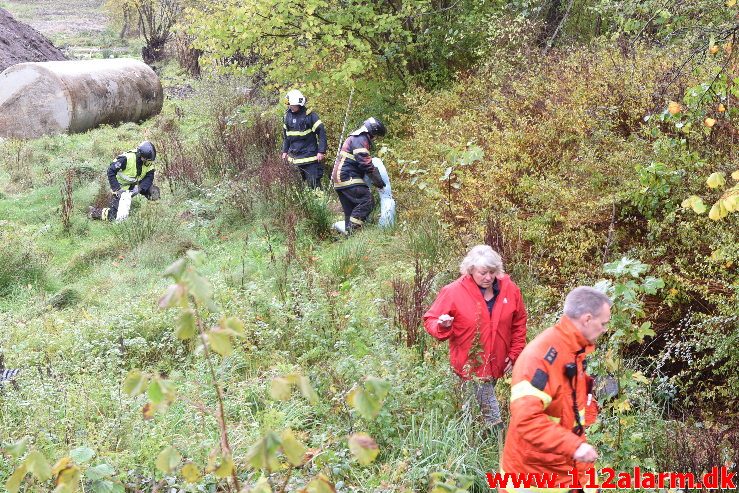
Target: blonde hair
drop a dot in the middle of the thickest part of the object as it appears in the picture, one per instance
(481, 256)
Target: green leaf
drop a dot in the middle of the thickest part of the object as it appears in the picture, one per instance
(199, 288)
(176, 269)
(652, 284)
(101, 471)
(197, 257)
(18, 448)
(626, 266)
(13, 484)
(168, 459)
(280, 389)
(38, 466)
(233, 324)
(155, 393)
(106, 486)
(191, 473)
(717, 179)
(645, 330)
(363, 447)
(368, 398)
(135, 383)
(263, 454)
(81, 455)
(220, 341)
(292, 447)
(186, 328)
(172, 297)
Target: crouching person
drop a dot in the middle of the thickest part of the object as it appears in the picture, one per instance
(131, 172)
(351, 166)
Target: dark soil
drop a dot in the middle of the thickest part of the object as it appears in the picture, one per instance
(20, 42)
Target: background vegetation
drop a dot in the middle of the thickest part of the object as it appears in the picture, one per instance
(588, 142)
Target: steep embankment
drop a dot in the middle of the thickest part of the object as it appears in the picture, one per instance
(20, 43)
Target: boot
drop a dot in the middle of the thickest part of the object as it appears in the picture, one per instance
(94, 212)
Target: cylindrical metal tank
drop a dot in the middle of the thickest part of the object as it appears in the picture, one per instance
(48, 98)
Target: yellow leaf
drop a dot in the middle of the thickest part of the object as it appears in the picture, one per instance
(713, 49)
(225, 469)
(38, 466)
(68, 479)
(735, 175)
(728, 48)
(321, 484)
(280, 389)
(709, 122)
(363, 447)
(718, 211)
(168, 459)
(191, 473)
(730, 3)
(721, 108)
(639, 377)
(624, 406)
(13, 484)
(716, 180)
(220, 341)
(60, 465)
(293, 449)
(674, 108)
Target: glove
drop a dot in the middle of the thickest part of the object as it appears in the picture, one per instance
(376, 179)
(135, 191)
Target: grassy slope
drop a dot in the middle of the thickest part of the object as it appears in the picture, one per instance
(329, 326)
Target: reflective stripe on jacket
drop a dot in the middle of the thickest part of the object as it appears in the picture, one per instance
(128, 170)
(354, 162)
(541, 436)
(304, 136)
(499, 335)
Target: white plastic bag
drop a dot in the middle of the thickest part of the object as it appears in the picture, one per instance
(387, 202)
(124, 206)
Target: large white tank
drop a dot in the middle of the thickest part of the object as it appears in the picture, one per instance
(45, 98)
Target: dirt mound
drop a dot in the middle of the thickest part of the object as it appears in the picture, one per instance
(21, 43)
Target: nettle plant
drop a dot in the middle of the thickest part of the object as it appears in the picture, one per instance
(626, 287)
(274, 451)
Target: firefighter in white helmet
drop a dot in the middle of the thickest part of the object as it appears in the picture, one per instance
(304, 139)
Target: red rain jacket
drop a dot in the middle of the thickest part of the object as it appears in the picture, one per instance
(501, 336)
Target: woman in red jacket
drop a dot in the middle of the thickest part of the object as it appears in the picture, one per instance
(483, 316)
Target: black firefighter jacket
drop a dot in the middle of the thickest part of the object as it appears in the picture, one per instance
(304, 136)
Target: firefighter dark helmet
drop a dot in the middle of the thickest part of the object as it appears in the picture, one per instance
(147, 151)
(375, 127)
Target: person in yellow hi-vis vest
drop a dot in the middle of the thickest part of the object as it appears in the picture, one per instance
(550, 398)
(130, 173)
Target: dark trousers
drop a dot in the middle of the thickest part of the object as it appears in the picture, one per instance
(357, 203)
(312, 174)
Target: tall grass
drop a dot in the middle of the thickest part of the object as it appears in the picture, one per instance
(21, 262)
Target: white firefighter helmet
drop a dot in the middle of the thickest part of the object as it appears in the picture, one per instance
(296, 98)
